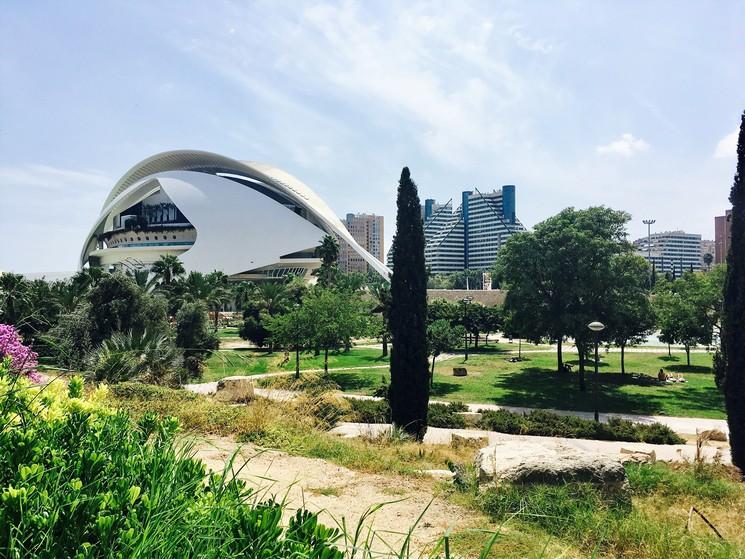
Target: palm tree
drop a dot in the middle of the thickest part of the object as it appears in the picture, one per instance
(244, 292)
(708, 259)
(168, 268)
(142, 279)
(195, 286)
(14, 297)
(218, 296)
(272, 296)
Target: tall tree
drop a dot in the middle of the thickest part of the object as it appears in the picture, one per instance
(328, 252)
(733, 339)
(293, 331)
(409, 390)
(632, 317)
(442, 336)
(558, 276)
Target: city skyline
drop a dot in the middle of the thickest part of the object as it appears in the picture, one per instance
(565, 100)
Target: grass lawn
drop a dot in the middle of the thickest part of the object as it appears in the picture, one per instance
(534, 383)
(250, 361)
(228, 332)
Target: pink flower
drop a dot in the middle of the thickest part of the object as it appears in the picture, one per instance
(22, 358)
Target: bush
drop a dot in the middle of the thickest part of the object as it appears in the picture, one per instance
(326, 407)
(308, 382)
(79, 481)
(548, 424)
(145, 357)
(446, 415)
(194, 336)
(369, 411)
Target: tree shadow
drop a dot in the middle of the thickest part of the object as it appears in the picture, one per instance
(442, 388)
(543, 388)
(669, 358)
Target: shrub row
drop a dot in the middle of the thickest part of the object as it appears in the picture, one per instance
(539, 423)
(548, 424)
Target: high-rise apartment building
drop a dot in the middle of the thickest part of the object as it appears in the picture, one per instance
(470, 236)
(672, 251)
(367, 230)
(722, 236)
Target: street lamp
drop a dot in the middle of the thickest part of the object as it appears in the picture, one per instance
(596, 327)
(649, 223)
(466, 301)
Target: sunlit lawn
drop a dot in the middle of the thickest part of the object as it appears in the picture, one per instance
(252, 361)
(534, 383)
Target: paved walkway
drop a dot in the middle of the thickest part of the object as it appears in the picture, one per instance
(681, 425)
(435, 435)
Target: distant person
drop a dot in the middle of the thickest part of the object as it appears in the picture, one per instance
(661, 376)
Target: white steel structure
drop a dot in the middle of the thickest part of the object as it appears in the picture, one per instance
(247, 219)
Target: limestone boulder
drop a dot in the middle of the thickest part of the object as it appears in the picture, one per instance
(234, 390)
(713, 435)
(459, 372)
(548, 462)
(470, 417)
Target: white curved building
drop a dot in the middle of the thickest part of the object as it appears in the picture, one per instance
(247, 219)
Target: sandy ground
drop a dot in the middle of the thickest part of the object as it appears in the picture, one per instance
(340, 493)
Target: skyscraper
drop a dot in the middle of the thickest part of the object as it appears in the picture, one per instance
(470, 236)
(367, 230)
(722, 236)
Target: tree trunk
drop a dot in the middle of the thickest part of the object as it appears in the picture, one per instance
(688, 355)
(326, 361)
(623, 364)
(476, 342)
(317, 350)
(216, 317)
(297, 362)
(385, 346)
(559, 359)
(669, 352)
(581, 353)
(432, 373)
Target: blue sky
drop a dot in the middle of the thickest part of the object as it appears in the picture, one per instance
(629, 104)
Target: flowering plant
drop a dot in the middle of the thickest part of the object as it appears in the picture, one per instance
(23, 359)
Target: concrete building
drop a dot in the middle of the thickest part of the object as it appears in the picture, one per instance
(707, 247)
(470, 236)
(367, 230)
(672, 251)
(247, 219)
(722, 236)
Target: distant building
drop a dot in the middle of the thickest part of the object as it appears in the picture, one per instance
(672, 251)
(722, 236)
(707, 247)
(367, 230)
(470, 236)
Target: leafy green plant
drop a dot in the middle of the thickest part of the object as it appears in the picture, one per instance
(147, 357)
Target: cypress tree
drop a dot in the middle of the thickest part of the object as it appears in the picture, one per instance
(409, 389)
(733, 336)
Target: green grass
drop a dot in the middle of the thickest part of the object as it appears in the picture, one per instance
(228, 332)
(251, 362)
(534, 383)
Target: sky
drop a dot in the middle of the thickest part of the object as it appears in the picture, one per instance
(632, 105)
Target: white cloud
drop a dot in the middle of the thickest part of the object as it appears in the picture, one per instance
(625, 146)
(727, 146)
(52, 178)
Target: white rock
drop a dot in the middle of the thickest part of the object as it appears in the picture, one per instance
(548, 462)
(471, 417)
(234, 389)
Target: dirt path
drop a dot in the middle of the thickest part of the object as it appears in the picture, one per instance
(341, 493)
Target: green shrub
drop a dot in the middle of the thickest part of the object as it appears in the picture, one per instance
(308, 382)
(84, 482)
(687, 480)
(548, 424)
(446, 415)
(369, 411)
(147, 357)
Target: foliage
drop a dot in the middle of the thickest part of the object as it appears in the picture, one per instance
(334, 317)
(23, 360)
(733, 339)
(442, 337)
(548, 424)
(686, 309)
(79, 481)
(409, 391)
(118, 305)
(193, 335)
(446, 415)
(369, 411)
(559, 275)
(328, 252)
(292, 330)
(70, 339)
(147, 357)
(167, 268)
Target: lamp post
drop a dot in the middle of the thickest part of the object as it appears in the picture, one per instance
(596, 327)
(649, 223)
(466, 301)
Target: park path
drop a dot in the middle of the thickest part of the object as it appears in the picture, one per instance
(681, 425)
(437, 435)
(340, 493)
